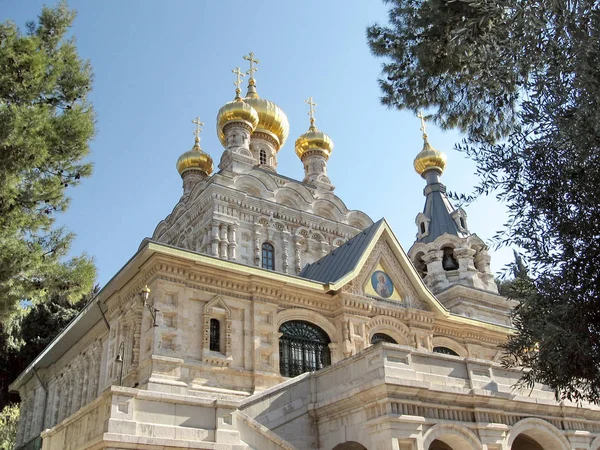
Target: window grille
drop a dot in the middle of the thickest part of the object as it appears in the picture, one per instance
(268, 256)
(215, 335)
(445, 351)
(303, 347)
(262, 156)
(380, 337)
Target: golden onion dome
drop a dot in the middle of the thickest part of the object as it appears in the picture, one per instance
(195, 159)
(314, 139)
(429, 158)
(271, 118)
(235, 111)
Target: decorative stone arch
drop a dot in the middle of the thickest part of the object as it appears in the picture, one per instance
(443, 341)
(326, 209)
(390, 326)
(217, 309)
(160, 229)
(265, 177)
(359, 219)
(308, 316)
(289, 197)
(448, 240)
(302, 191)
(316, 236)
(541, 431)
(595, 444)
(335, 201)
(253, 185)
(417, 260)
(456, 436)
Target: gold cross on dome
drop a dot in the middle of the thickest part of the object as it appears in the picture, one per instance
(423, 124)
(250, 57)
(199, 126)
(239, 74)
(311, 109)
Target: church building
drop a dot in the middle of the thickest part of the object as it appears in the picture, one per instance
(264, 314)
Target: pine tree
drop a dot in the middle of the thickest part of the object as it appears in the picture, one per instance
(46, 123)
(520, 78)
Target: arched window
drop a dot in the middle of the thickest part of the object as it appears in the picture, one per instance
(215, 335)
(449, 262)
(445, 351)
(303, 347)
(462, 222)
(422, 227)
(268, 256)
(262, 155)
(381, 337)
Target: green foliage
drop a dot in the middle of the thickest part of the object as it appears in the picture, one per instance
(29, 332)
(46, 123)
(520, 78)
(9, 420)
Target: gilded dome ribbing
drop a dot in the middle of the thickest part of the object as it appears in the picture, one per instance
(429, 158)
(195, 159)
(271, 118)
(235, 111)
(314, 139)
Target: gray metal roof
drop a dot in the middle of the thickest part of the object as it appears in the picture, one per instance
(343, 259)
(439, 209)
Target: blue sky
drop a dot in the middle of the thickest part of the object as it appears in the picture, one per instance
(159, 64)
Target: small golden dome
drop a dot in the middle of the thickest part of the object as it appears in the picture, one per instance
(271, 118)
(314, 139)
(195, 159)
(238, 111)
(429, 158)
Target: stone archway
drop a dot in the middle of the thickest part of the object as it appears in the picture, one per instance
(533, 431)
(350, 445)
(523, 442)
(450, 437)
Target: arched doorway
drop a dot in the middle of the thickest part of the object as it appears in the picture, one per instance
(350, 446)
(439, 445)
(523, 442)
(303, 347)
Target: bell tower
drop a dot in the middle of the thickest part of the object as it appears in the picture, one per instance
(445, 252)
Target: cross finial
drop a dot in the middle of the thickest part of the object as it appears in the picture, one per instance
(199, 126)
(250, 57)
(238, 81)
(423, 124)
(311, 110)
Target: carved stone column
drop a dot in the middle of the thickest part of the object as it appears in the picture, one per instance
(297, 255)
(214, 240)
(464, 255)
(232, 246)
(436, 276)
(284, 245)
(224, 242)
(257, 245)
(466, 267)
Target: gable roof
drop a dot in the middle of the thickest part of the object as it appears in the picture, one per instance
(343, 259)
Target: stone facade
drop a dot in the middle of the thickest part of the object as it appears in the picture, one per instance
(202, 362)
